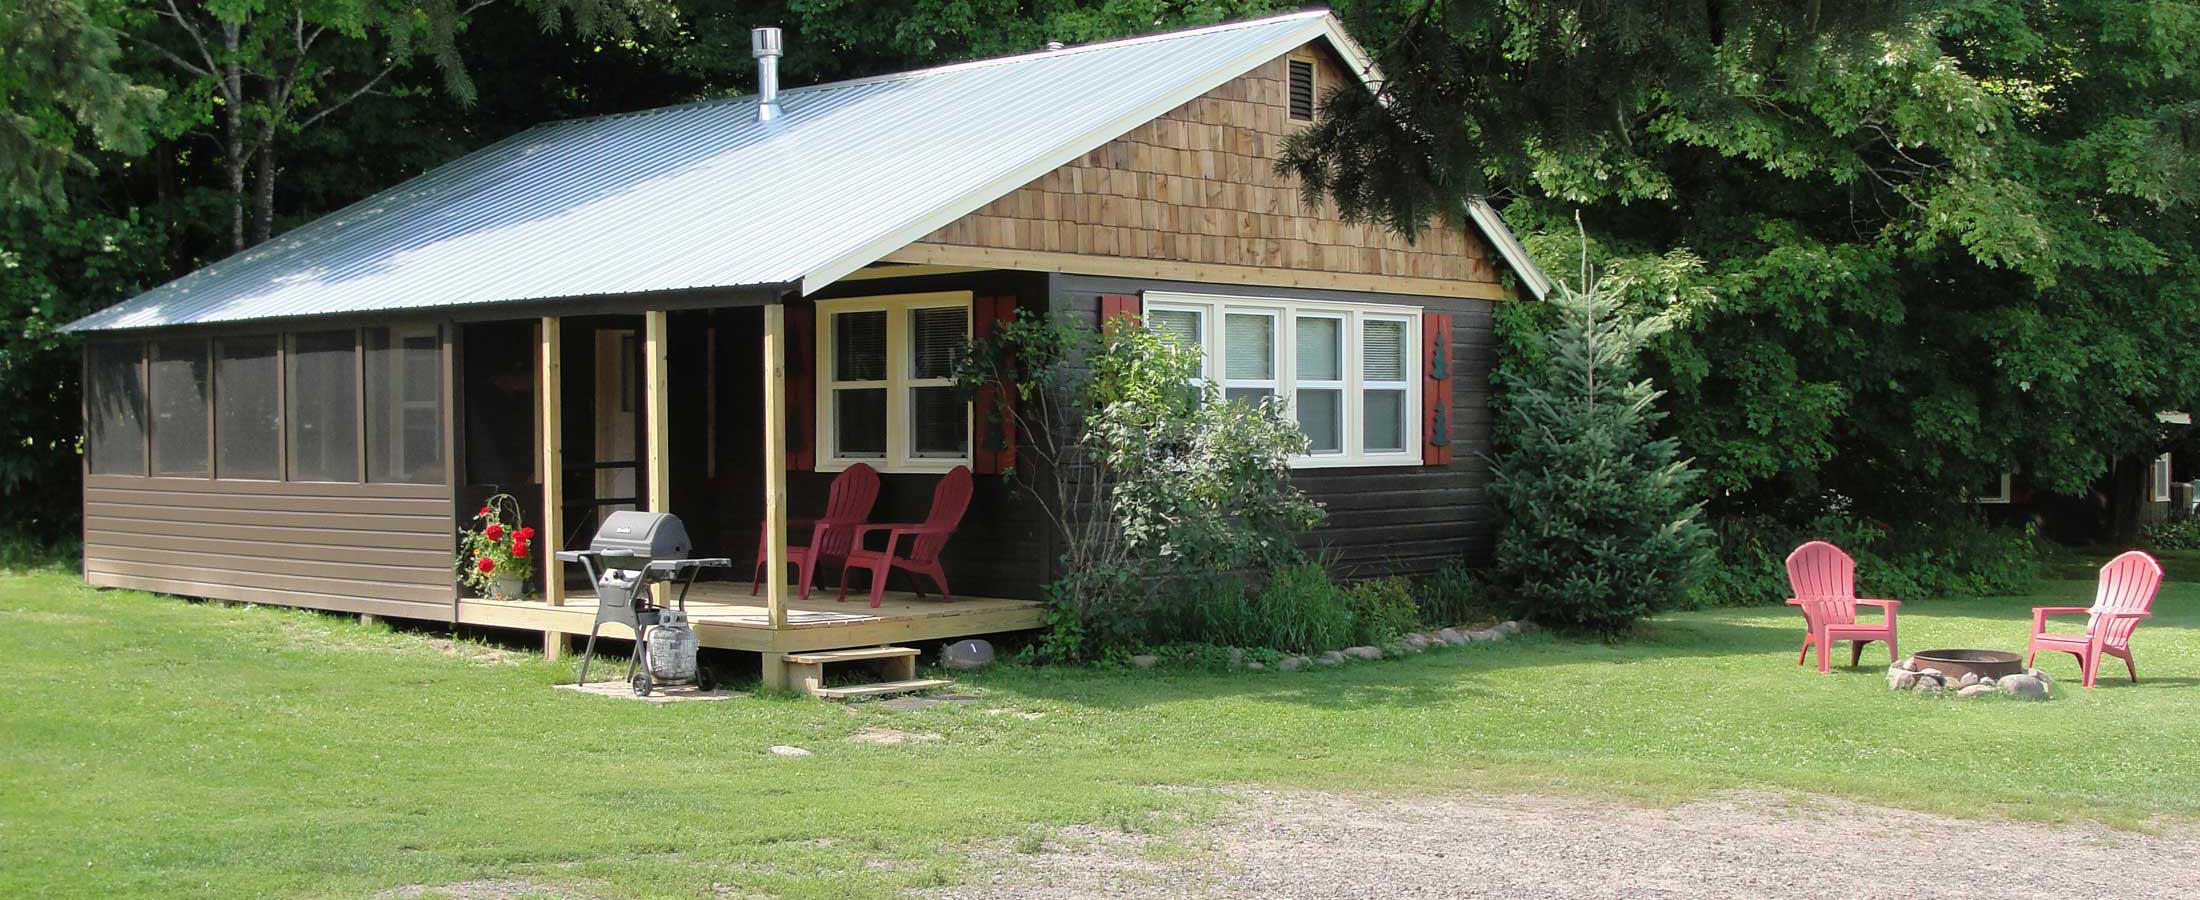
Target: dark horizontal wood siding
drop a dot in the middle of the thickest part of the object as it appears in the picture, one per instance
(1406, 520)
(373, 548)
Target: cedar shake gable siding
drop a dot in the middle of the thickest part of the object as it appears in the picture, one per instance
(1199, 185)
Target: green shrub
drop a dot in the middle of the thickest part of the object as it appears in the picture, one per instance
(1382, 609)
(1299, 610)
(1919, 561)
(1598, 515)
(1452, 596)
(2179, 534)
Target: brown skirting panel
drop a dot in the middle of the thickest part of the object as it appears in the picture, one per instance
(384, 549)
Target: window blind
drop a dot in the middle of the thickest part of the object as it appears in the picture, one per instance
(939, 336)
(1384, 351)
(859, 346)
(1321, 353)
(1250, 347)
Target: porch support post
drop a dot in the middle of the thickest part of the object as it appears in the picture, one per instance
(550, 538)
(657, 408)
(775, 487)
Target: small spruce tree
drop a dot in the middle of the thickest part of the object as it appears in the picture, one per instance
(1599, 524)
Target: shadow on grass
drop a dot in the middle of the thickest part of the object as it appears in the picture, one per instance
(1771, 632)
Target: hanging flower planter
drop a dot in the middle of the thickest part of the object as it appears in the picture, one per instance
(497, 557)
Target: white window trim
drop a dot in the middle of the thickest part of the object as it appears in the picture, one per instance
(2159, 475)
(2000, 498)
(1213, 308)
(900, 382)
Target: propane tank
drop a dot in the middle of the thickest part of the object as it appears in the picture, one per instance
(672, 648)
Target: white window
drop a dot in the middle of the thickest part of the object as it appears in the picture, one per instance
(1996, 491)
(1346, 372)
(886, 391)
(2160, 478)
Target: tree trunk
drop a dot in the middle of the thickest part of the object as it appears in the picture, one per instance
(263, 187)
(2128, 494)
(234, 162)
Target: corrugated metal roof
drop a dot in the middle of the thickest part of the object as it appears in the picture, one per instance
(705, 196)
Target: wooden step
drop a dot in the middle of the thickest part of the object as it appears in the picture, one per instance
(823, 657)
(879, 689)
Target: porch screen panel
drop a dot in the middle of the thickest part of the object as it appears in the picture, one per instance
(114, 413)
(178, 376)
(247, 422)
(324, 411)
(404, 405)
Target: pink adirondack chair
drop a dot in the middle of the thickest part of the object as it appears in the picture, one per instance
(1824, 579)
(847, 505)
(949, 500)
(2125, 596)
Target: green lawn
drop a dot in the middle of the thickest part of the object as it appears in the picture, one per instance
(158, 747)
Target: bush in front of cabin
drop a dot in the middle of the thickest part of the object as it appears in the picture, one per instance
(1160, 490)
(1599, 522)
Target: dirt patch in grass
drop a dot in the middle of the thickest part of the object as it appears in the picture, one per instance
(1742, 845)
(488, 889)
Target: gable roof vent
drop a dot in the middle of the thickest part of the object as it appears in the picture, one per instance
(1302, 90)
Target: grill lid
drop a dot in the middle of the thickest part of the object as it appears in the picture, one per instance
(641, 537)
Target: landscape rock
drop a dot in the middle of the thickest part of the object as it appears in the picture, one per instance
(1294, 663)
(1451, 636)
(1145, 661)
(2023, 687)
(1331, 658)
(2043, 677)
(1255, 666)
(1908, 662)
(1416, 642)
(1976, 690)
(1968, 679)
(1929, 686)
(784, 750)
(1486, 634)
(1507, 629)
(1237, 658)
(1900, 679)
(967, 655)
(1363, 652)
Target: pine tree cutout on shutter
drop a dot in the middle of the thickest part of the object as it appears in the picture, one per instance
(1436, 391)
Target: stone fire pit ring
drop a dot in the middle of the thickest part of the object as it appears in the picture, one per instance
(1969, 673)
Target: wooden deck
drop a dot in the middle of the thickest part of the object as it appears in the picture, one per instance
(725, 616)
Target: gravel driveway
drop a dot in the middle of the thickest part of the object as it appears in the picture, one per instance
(1305, 845)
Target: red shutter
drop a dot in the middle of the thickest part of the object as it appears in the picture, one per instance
(995, 405)
(1436, 389)
(1115, 306)
(801, 370)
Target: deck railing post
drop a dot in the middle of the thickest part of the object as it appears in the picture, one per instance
(775, 485)
(657, 406)
(551, 538)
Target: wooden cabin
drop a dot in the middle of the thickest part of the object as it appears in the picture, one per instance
(713, 308)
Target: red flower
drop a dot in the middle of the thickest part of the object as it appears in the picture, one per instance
(485, 565)
(519, 550)
(484, 512)
(494, 531)
(525, 534)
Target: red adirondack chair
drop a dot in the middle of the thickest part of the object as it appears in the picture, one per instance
(949, 500)
(1824, 579)
(847, 505)
(2126, 594)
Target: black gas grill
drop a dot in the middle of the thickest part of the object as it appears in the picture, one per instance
(630, 552)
